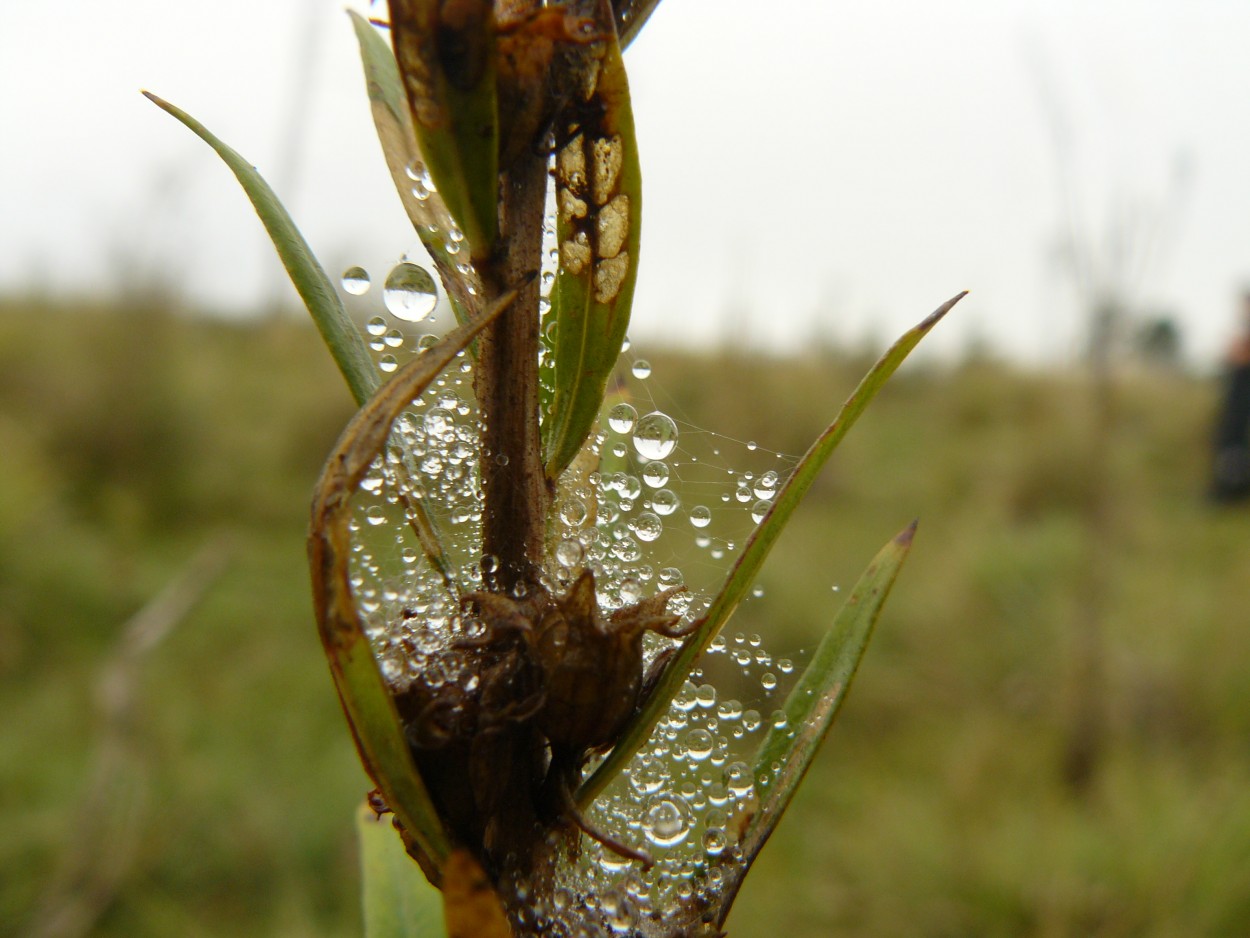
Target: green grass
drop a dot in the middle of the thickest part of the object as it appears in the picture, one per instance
(128, 439)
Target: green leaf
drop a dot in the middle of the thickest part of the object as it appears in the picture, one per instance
(337, 330)
(753, 554)
(447, 64)
(398, 901)
(366, 698)
(598, 226)
(429, 215)
(818, 695)
(314, 287)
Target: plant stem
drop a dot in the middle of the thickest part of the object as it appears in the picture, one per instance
(515, 491)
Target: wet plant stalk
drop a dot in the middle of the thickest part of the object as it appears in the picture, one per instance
(513, 486)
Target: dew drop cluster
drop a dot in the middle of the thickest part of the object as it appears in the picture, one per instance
(646, 510)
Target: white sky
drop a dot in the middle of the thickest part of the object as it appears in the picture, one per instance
(810, 167)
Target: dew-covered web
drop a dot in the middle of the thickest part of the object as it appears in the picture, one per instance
(654, 501)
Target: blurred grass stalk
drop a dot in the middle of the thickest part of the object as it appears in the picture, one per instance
(475, 91)
(109, 815)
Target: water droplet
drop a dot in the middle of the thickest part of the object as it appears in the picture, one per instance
(627, 550)
(699, 744)
(738, 779)
(768, 680)
(729, 710)
(766, 485)
(409, 292)
(666, 822)
(376, 326)
(568, 553)
(684, 699)
(647, 526)
(785, 665)
(631, 591)
(665, 502)
(440, 424)
(655, 473)
(648, 774)
(629, 487)
(355, 281)
(573, 512)
(671, 576)
(387, 363)
(641, 369)
(752, 445)
(700, 516)
(621, 418)
(714, 841)
(375, 515)
(655, 435)
(705, 696)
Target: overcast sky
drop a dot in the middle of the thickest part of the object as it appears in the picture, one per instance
(810, 167)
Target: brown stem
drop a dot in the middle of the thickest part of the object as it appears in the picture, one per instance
(515, 491)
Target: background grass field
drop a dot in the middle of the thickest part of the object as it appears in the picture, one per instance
(129, 439)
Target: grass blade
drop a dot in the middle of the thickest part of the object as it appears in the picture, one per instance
(754, 553)
(818, 695)
(398, 902)
(366, 699)
(598, 226)
(314, 287)
(429, 215)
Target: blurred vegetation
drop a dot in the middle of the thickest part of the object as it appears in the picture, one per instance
(130, 438)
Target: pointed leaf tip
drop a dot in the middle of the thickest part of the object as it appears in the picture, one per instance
(905, 536)
(936, 316)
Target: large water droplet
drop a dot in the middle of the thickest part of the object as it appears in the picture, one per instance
(648, 774)
(621, 418)
(647, 526)
(641, 369)
(573, 511)
(655, 473)
(655, 435)
(699, 744)
(665, 502)
(355, 281)
(700, 516)
(759, 510)
(665, 822)
(766, 486)
(409, 292)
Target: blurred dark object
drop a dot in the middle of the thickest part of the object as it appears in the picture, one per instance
(1230, 475)
(1159, 342)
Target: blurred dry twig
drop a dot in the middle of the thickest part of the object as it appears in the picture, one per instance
(107, 825)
